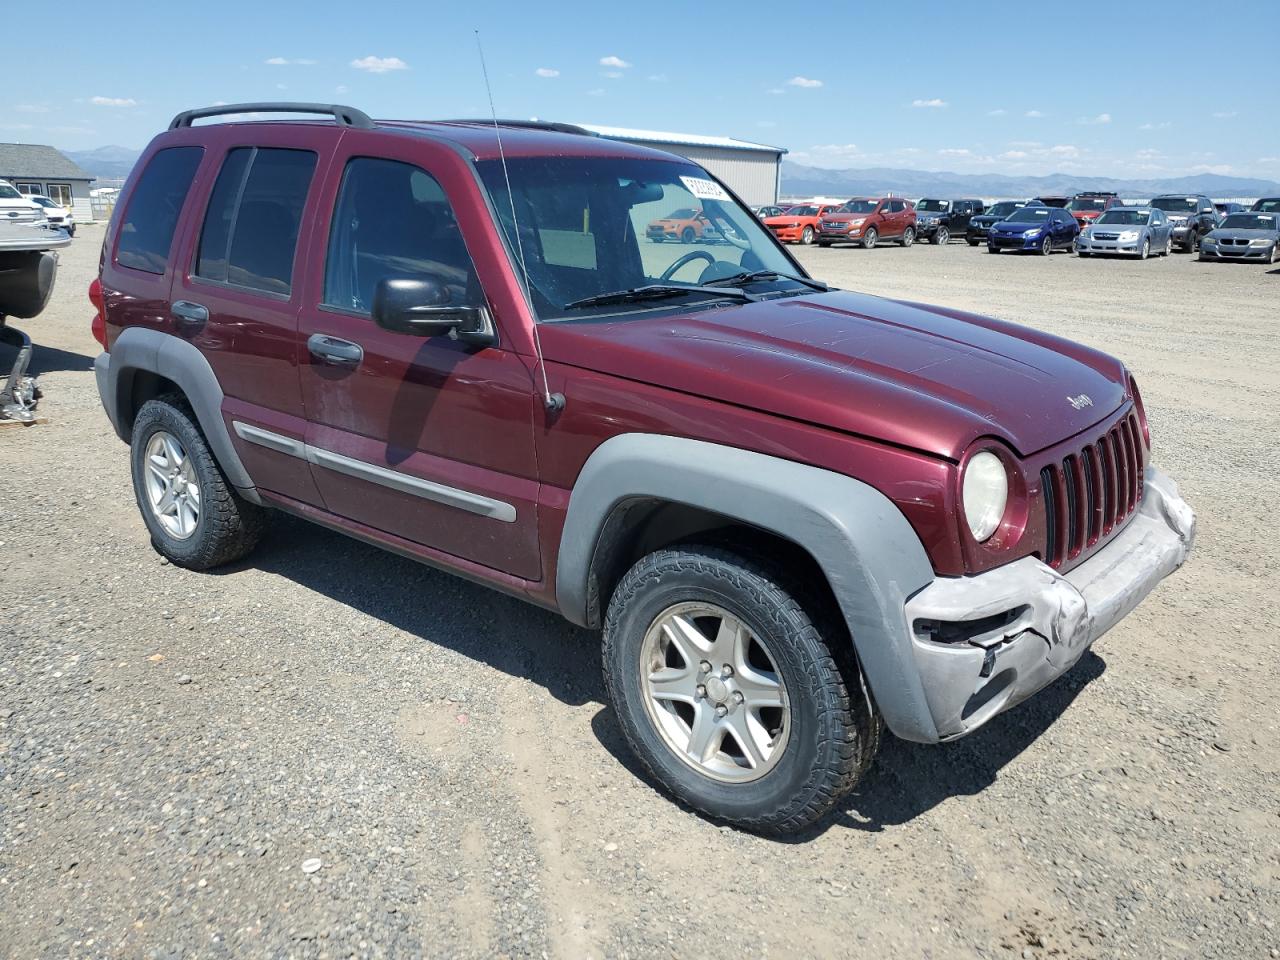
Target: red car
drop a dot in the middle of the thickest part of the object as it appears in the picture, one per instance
(799, 224)
(687, 225)
(868, 220)
(1088, 207)
(796, 513)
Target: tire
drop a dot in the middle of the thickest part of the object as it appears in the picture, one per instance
(71, 230)
(1168, 245)
(226, 527)
(941, 237)
(824, 243)
(1275, 253)
(831, 726)
(658, 239)
(1190, 245)
(687, 235)
(806, 236)
(1082, 255)
(973, 243)
(1146, 249)
(1046, 246)
(991, 249)
(870, 238)
(908, 237)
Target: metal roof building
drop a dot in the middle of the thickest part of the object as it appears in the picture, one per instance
(752, 170)
(36, 168)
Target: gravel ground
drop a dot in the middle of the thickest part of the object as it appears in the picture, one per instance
(329, 751)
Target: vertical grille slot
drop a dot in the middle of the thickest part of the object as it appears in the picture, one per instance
(1121, 461)
(1050, 516)
(1075, 515)
(1094, 485)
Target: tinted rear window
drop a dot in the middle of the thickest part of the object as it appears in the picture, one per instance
(147, 229)
(250, 231)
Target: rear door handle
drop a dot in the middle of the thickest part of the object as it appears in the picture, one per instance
(188, 312)
(342, 353)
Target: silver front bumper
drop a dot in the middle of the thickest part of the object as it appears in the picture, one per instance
(1013, 630)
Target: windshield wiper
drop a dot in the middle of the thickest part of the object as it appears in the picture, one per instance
(655, 291)
(740, 279)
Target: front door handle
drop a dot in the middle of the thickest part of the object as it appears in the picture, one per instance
(342, 353)
(189, 313)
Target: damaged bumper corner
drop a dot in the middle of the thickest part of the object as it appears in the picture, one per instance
(987, 642)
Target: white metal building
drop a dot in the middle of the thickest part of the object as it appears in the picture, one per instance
(752, 170)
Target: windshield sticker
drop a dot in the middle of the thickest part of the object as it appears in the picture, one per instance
(705, 189)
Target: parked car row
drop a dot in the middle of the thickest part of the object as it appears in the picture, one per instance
(33, 209)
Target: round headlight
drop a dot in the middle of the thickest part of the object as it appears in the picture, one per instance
(985, 492)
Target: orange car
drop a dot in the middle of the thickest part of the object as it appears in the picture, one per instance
(798, 224)
(685, 225)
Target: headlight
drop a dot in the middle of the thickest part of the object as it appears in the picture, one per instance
(985, 492)
(1209, 241)
(1128, 235)
(857, 223)
(1260, 242)
(1032, 233)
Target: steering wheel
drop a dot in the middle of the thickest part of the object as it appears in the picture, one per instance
(670, 272)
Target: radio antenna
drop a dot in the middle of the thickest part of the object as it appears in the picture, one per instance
(554, 402)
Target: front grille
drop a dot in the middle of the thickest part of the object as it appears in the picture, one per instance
(1092, 492)
(1106, 236)
(1234, 242)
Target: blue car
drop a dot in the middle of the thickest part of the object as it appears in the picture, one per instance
(1035, 227)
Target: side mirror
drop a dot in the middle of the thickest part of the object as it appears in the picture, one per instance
(421, 307)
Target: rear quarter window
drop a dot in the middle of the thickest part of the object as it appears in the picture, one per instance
(146, 232)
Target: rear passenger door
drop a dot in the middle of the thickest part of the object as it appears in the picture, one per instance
(237, 299)
(429, 439)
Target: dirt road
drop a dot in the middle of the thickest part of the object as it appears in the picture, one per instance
(178, 750)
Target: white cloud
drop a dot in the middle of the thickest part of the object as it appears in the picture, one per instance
(1226, 114)
(955, 152)
(340, 88)
(113, 101)
(281, 86)
(1064, 150)
(15, 126)
(934, 103)
(657, 77)
(997, 112)
(546, 72)
(617, 62)
(1095, 121)
(1014, 155)
(379, 64)
(804, 82)
(1269, 159)
(1162, 125)
(612, 74)
(1033, 114)
(597, 92)
(776, 91)
(31, 108)
(286, 62)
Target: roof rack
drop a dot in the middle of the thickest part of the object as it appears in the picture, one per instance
(530, 125)
(343, 116)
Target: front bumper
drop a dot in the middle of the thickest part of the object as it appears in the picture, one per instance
(1014, 630)
(1016, 242)
(1219, 252)
(1132, 248)
(787, 234)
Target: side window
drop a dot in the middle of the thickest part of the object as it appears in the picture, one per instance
(250, 230)
(146, 232)
(393, 221)
(896, 206)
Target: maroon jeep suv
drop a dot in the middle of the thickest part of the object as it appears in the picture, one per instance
(798, 514)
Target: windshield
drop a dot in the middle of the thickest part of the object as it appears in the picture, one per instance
(1176, 204)
(1087, 203)
(859, 206)
(43, 201)
(933, 206)
(592, 226)
(1004, 208)
(1125, 217)
(9, 193)
(1249, 221)
(802, 212)
(1029, 215)
(1269, 205)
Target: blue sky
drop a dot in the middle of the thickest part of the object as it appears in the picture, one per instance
(1112, 89)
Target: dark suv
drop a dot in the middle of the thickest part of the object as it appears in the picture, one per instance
(939, 220)
(797, 513)
(1192, 217)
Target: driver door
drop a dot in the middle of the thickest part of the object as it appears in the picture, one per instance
(429, 439)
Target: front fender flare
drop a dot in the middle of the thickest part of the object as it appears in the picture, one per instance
(871, 556)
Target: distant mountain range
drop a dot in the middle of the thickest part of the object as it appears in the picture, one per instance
(106, 163)
(799, 180)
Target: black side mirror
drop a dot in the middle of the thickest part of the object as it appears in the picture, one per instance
(422, 307)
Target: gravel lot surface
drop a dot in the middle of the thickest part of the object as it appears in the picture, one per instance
(329, 751)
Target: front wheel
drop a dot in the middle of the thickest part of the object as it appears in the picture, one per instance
(1146, 248)
(740, 698)
(942, 237)
(687, 235)
(806, 236)
(1168, 246)
(870, 238)
(824, 243)
(908, 237)
(1046, 246)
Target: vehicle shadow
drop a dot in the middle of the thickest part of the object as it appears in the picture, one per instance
(503, 632)
(44, 359)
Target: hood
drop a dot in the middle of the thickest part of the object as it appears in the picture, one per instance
(1240, 233)
(932, 214)
(984, 219)
(1086, 214)
(786, 219)
(1019, 226)
(921, 377)
(845, 217)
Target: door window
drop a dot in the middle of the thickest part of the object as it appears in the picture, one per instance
(146, 232)
(250, 231)
(896, 206)
(393, 221)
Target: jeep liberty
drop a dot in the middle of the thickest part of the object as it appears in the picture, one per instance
(798, 514)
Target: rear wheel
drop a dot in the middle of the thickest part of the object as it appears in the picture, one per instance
(740, 699)
(195, 517)
(806, 236)
(942, 237)
(870, 238)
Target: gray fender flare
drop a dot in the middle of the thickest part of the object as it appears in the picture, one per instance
(871, 556)
(138, 349)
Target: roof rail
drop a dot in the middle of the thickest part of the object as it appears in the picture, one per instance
(529, 125)
(343, 116)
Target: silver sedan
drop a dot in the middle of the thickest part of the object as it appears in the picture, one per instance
(1128, 231)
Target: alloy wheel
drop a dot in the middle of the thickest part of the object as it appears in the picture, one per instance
(1046, 246)
(870, 237)
(714, 693)
(807, 236)
(173, 490)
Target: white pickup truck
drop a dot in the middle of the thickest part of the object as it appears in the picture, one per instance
(15, 208)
